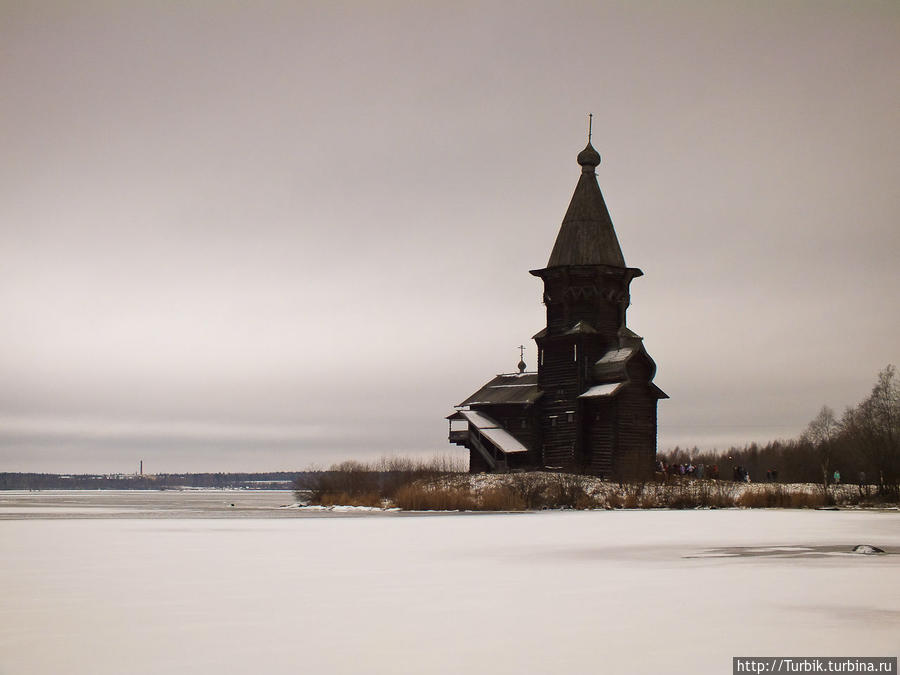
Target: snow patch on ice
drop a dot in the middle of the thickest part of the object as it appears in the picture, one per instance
(340, 508)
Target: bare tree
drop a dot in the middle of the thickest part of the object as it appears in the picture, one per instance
(822, 434)
(874, 427)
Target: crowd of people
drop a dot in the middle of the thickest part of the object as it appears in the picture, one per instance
(739, 473)
(690, 470)
(711, 471)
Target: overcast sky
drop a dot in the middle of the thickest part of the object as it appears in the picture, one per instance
(259, 235)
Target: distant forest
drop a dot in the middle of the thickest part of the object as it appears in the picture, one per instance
(278, 480)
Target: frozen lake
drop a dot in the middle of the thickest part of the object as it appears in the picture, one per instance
(172, 582)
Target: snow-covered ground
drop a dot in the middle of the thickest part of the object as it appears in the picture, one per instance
(284, 591)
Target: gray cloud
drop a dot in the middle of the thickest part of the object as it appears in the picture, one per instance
(218, 222)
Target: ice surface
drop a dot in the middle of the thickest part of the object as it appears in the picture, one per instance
(283, 591)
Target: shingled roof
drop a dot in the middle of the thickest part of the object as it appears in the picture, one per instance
(587, 236)
(514, 388)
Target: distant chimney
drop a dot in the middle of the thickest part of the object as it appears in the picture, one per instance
(142, 467)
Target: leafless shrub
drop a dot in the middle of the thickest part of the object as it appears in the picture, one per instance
(715, 494)
(680, 495)
(649, 498)
(531, 488)
(568, 491)
(358, 480)
(553, 491)
(613, 500)
(588, 501)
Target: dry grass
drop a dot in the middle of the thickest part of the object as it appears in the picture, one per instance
(534, 491)
(433, 498)
(525, 492)
(805, 500)
(631, 501)
(440, 485)
(613, 500)
(778, 497)
(500, 498)
(345, 499)
(425, 496)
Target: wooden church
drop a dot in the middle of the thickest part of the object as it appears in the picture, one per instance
(591, 405)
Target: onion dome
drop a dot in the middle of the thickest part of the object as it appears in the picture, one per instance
(588, 158)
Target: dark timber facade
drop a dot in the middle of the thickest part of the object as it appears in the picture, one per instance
(591, 405)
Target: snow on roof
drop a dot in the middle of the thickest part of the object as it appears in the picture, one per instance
(602, 390)
(612, 364)
(504, 440)
(491, 429)
(479, 420)
(616, 355)
(580, 328)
